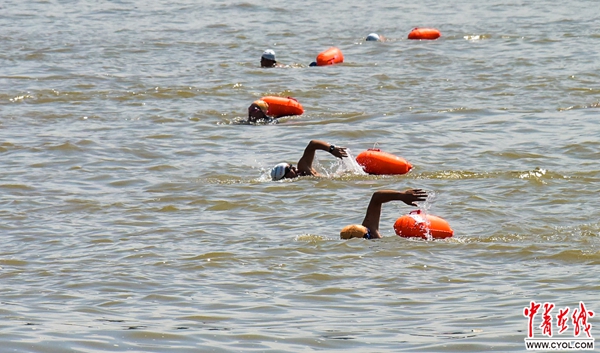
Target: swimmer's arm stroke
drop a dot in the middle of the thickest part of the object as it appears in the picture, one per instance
(306, 161)
(380, 197)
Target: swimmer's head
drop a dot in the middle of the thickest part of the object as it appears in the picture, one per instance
(355, 231)
(268, 58)
(314, 63)
(258, 110)
(283, 170)
(264, 106)
(373, 37)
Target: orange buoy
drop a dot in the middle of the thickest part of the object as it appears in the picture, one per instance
(283, 106)
(424, 33)
(330, 56)
(375, 161)
(420, 225)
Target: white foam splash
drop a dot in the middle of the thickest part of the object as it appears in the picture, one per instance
(348, 165)
(420, 215)
(426, 205)
(420, 218)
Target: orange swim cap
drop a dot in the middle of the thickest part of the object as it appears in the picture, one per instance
(353, 231)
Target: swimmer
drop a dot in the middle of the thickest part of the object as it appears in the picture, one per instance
(374, 37)
(257, 112)
(268, 59)
(304, 166)
(370, 224)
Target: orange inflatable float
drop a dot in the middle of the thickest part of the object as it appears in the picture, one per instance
(424, 33)
(330, 56)
(375, 161)
(283, 106)
(420, 225)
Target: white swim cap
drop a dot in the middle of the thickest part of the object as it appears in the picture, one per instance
(373, 37)
(269, 54)
(278, 171)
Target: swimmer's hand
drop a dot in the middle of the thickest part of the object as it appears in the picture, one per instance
(413, 195)
(339, 152)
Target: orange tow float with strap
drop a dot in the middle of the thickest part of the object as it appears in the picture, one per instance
(375, 161)
(283, 106)
(420, 225)
(330, 56)
(424, 33)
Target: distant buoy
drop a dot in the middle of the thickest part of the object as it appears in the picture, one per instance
(375, 161)
(282, 106)
(418, 224)
(424, 33)
(330, 56)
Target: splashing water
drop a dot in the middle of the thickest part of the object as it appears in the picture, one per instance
(423, 206)
(349, 165)
(420, 215)
(426, 206)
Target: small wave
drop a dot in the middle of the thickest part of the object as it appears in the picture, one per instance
(586, 106)
(310, 238)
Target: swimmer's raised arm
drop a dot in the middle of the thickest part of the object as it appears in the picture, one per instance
(373, 215)
(306, 161)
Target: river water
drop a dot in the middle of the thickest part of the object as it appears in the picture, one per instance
(137, 214)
